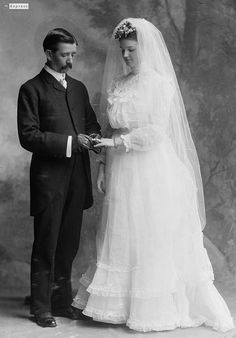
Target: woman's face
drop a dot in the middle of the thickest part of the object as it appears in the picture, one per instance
(129, 52)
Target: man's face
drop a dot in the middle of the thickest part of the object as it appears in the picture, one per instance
(62, 59)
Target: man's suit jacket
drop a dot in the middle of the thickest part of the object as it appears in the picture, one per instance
(47, 114)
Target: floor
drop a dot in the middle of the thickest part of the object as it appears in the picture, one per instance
(15, 322)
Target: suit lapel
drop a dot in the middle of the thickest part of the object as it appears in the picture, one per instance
(73, 110)
(51, 80)
(69, 83)
(58, 86)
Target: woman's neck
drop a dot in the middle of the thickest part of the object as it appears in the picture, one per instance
(135, 70)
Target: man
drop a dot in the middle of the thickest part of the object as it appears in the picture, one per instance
(54, 119)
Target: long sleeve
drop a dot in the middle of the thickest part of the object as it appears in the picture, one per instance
(152, 129)
(30, 135)
(144, 138)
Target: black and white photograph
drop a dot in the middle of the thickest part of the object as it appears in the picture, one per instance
(118, 169)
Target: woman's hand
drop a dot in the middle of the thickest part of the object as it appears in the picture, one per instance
(104, 142)
(101, 184)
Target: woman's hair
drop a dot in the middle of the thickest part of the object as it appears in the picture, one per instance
(130, 36)
(56, 36)
(125, 31)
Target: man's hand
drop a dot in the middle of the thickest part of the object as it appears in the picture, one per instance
(83, 141)
(80, 141)
(86, 142)
(94, 139)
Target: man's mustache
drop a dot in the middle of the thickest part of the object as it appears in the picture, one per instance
(68, 65)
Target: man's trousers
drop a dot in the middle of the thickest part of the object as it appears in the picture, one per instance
(56, 241)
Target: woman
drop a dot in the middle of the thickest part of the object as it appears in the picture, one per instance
(152, 271)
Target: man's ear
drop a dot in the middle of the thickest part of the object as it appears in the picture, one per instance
(48, 53)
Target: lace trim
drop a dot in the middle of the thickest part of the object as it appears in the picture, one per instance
(223, 324)
(78, 303)
(111, 291)
(122, 90)
(116, 269)
(207, 273)
(220, 327)
(126, 142)
(134, 293)
(108, 317)
(121, 318)
(155, 326)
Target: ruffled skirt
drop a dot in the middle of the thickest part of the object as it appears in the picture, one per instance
(152, 271)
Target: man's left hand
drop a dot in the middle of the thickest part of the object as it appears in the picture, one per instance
(94, 139)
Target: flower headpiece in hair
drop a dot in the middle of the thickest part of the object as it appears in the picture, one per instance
(124, 29)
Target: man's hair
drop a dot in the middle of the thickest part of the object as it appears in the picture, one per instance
(56, 36)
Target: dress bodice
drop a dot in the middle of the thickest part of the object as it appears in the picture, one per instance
(136, 100)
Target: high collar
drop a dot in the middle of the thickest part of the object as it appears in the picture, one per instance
(58, 76)
(49, 78)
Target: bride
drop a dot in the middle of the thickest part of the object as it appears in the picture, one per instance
(152, 271)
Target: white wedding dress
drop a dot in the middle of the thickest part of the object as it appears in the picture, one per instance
(152, 270)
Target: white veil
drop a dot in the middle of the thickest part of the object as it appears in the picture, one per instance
(153, 53)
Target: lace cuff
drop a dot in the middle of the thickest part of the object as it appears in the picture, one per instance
(126, 142)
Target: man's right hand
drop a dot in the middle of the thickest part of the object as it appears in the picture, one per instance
(83, 141)
(80, 141)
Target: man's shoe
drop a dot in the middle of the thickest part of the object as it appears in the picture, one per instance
(45, 320)
(71, 313)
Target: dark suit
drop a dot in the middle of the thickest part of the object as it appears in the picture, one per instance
(60, 187)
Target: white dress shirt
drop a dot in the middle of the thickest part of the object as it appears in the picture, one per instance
(61, 78)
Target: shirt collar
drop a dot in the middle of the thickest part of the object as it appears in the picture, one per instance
(56, 75)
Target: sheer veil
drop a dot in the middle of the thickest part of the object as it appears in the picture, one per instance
(153, 54)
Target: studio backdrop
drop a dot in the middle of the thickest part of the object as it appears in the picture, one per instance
(201, 38)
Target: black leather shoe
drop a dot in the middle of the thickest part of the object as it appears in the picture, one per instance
(71, 313)
(45, 320)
